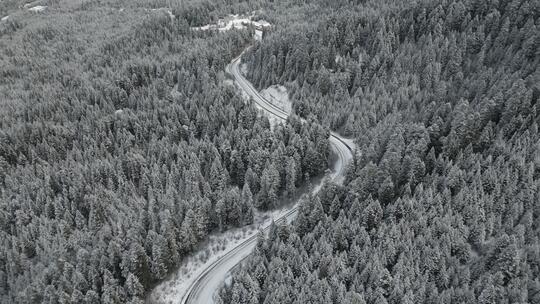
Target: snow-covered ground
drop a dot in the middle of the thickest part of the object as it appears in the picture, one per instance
(234, 22)
(278, 96)
(172, 289)
(258, 35)
(38, 8)
(170, 14)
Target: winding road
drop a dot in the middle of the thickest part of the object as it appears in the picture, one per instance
(203, 288)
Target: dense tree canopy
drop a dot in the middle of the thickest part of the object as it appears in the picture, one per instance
(122, 147)
(442, 204)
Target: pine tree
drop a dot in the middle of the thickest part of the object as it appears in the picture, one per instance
(133, 287)
(247, 205)
(187, 235)
(290, 177)
(267, 196)
(160, 256)
(372, 214)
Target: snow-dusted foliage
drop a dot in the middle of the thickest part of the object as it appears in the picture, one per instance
(121, 149)
(443, 202)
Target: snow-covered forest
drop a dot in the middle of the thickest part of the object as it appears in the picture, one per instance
(443, 203)
(123, 146)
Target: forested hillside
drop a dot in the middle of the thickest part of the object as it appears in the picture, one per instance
(443, 202)
(122, 147)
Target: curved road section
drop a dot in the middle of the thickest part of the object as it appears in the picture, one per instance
(203, 288)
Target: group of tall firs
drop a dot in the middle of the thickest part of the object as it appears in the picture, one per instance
(122, 146)
(442, 204)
